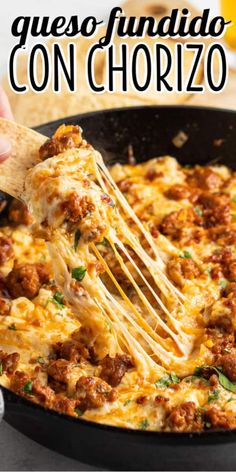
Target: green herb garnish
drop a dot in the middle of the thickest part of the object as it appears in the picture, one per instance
(234, 199)
(167, 380)
(223, 283)
(127, 402)
(41, 361)
(198, 211)
(28, 387)
(186, 255)
(214, 395)
(234, 217)
(78, 411)
(1, 368)
(223, 380)
(12, 327)
(143, 424)
(78, 273)
(77, 238)
(231, 399)
(104, 242)
(57, 299)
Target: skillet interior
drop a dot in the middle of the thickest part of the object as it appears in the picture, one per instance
(150, 131)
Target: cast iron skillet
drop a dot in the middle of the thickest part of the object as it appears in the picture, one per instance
(211, 136)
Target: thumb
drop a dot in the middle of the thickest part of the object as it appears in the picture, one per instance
(5, 149)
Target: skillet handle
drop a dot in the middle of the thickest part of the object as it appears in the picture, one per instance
(1, 406)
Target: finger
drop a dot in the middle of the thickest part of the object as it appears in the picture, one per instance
(5, 149)
(5, 109)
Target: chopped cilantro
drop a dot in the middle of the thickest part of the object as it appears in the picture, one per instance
(143, 424)
(76, 239)
(167, 380)
(43, 258)
(127, 402)
(231, 399)
(198, 211)
(223, 283)
(104, 242)
(28, 387)
(12, 327)
(41, 360)
(78, 411)
(1, 368)
(78, 273)
(223, 380)
(214, 395)
(186, 255)
(57, 299)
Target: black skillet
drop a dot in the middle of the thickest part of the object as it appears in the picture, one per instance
(211, 137)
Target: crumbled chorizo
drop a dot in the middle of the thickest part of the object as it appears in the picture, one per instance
(185, 417)
(225, 264)
(178, 192)
(93, 392)
(180, 269)
(222, 256)
(114, 368)
(219, 419)
(65, 405)
(25, 280)
(228, 363)
(153, 174)
(6, 249)
(223, 235)
(19, 214)
(66, 137)
(76, 208)
(175, 223)
(59, 370)
(205, 178)
(216, 209)
(160, 400)
(71, 350)
(18, 381)
(230, 290)
(44, 393)
(9, 362)
(124, 185)
(223, 315)
(141, 400)
(223, 345)
(5, 306)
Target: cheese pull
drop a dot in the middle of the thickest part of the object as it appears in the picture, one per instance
(74, 199)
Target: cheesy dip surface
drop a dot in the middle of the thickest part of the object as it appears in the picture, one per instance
(45, 355)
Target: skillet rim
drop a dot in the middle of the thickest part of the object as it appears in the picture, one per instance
(134, 108)
(225, 435)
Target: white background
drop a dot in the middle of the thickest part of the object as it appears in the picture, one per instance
(10, 9)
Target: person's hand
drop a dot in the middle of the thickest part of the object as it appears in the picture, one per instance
(5, 112)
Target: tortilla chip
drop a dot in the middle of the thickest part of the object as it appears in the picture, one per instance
(50, 106)
(24, 155)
